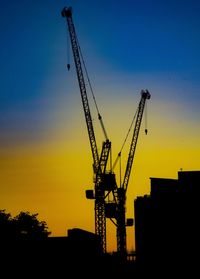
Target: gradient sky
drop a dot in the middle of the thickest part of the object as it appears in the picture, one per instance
(46, 161)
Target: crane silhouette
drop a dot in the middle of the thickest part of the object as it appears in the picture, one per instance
(105, 184)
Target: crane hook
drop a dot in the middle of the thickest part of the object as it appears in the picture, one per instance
(146, 131)
(68, 67)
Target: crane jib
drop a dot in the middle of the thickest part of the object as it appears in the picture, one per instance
(83, 91)
(144, 96)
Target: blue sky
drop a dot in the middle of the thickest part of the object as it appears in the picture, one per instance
(152, 38)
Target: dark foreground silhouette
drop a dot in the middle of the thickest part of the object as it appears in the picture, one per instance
(167, 238)
(60, 257)
(27, 251)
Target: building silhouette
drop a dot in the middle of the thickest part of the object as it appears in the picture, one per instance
(167, 233)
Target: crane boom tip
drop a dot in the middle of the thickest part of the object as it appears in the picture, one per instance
(66, 12)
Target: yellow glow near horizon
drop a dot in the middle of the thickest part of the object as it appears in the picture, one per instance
(50, 178)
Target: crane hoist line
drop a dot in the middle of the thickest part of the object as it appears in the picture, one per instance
(110, 198)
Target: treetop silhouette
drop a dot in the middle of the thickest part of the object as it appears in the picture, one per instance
(23, 226)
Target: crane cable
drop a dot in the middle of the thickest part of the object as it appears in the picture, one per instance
(119, 154)
(68, 52)
(90, 86)
(146, 130)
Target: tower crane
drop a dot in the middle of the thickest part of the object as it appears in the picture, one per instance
(116, 208)
(121, 191)
(105, 182)
(99, 162)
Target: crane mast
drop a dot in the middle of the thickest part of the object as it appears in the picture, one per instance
(99, 164)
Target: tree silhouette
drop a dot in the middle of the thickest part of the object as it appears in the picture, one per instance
(6, 226)
(27, 225)
(23, 226)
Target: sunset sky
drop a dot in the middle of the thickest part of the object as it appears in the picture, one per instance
(46, 161)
